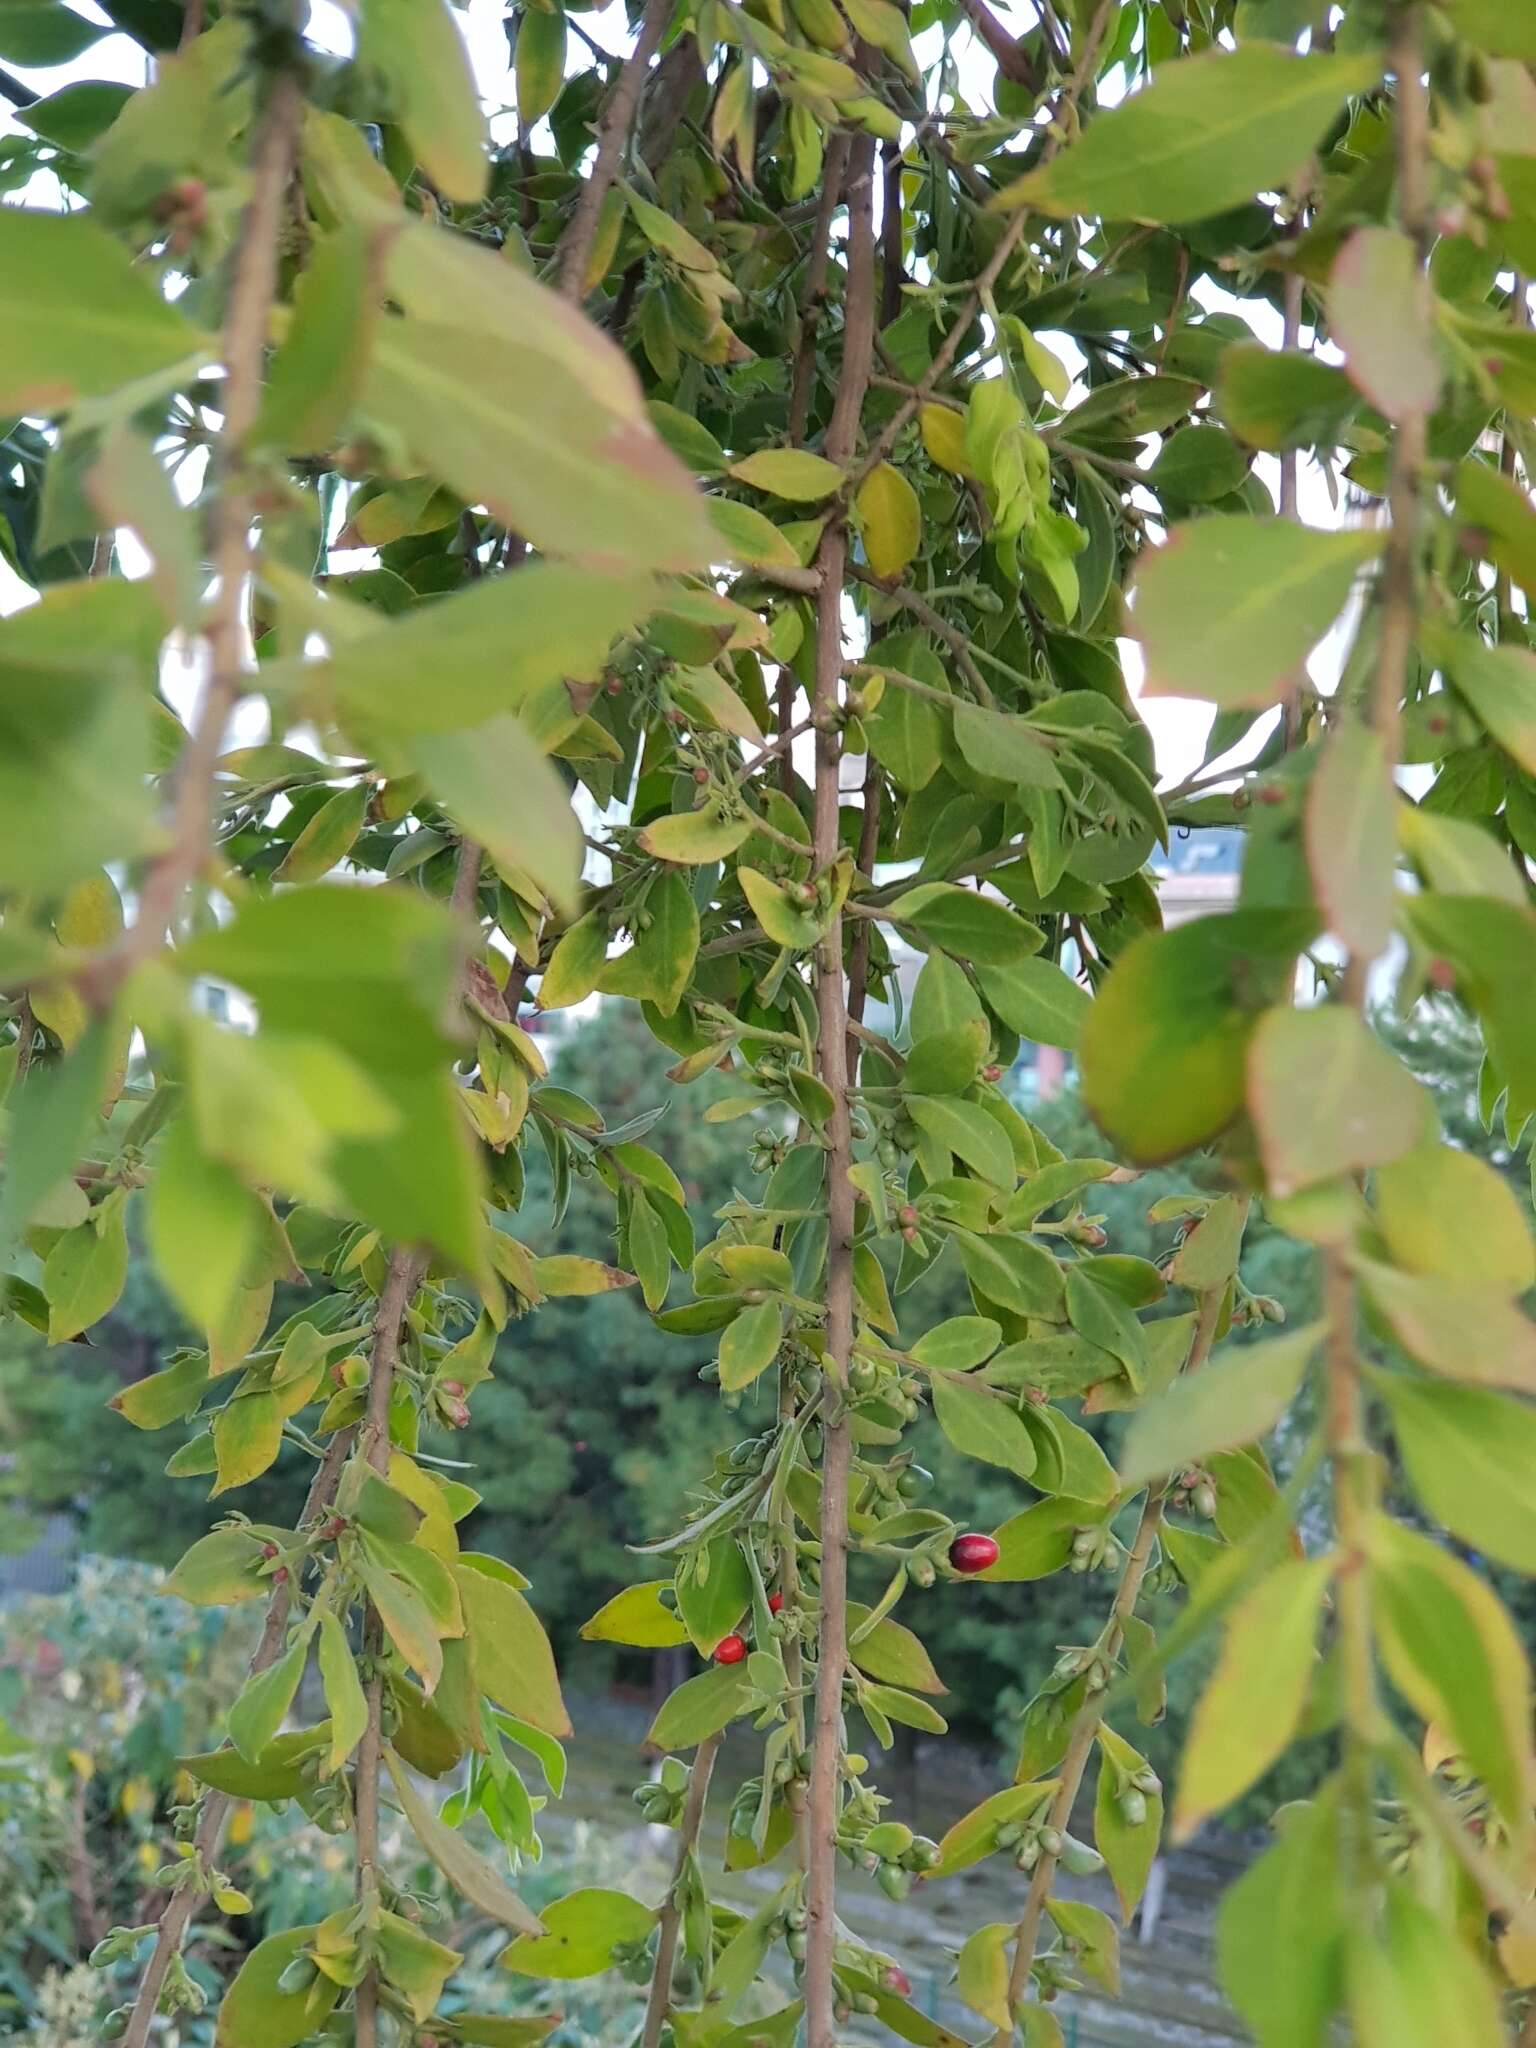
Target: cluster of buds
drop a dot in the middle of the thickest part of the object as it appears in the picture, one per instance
(1249, 1310)
(1027, 1841)
(1095, 1549)
(1194, 1491)
(661, 1799)
(889, 1850)
(634, 1960)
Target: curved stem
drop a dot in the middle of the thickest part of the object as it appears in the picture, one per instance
(401, 1281)
(832, 1062)
(1085, 1728)
(670, 1920)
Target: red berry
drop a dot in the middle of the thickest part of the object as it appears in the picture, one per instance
(993, 1072)
(894, 1978)
(453, 1388)
(456, 1414)
(730, 1649)
(775, 1602)
(973, 1553)
(701, 776)
(269, 1550)
(335, 1527)
(280, 1576)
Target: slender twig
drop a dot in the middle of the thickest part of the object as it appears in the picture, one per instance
(400, 1283)
(669, 1921)
(913, 601)
(1008, 242)
(1085, 1728)
(252, 288)
(832, 1060)
(803, 375)
(613, 130)
(1354, 1468)
(1290, 497)
(183, 1904)
(1013, 62)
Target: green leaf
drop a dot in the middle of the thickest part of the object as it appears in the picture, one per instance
(1498, 682)
(968, 1131)
(50, 1115)
(982, 1424)
(1037, 999)
(1207, 1258)
(513, 1662)
(1280, 1931)
(1002, 748)
(1252, 1706)
(1230, 606)
(1414, 1982)
(407, 1623)
(945, 1062)
(1327, 1097)
(1492, 947)
(783, 921)
(416, 46)
(247, 1435)
(637, 1617)
(81, 319)
(496, 784)
(1039, 1541)
(892, 1653)
(316, 375)
(487, 653)
(1499, 508)
(981, 1973)
(1012, 1272)
(571, 460)
(220, 1570)
(958, 1344)
(1468, 1456)
(464, 1867)
(1452, 1652)
(1096, 1951)
(255, 2014)
(165, 1396)
(1128, 1847)
(1198, 465)
(750, 1345)
(694, 838)
(700, 1707)
(1464, 1329)
(130, 487)
(74, 757)
(748, 536)
(262, 1704)
(975, 927)
(1234, 1401)
(344, 1697)
(1351, 834)
(327, 837)
(540, 62)
(1442, 1211)
(576, 965)
(714, 1589)
(1379, 313)
(1278, 399)
(1208, 133)
(974, 1835)
(1163, 1043)
(85, 1271)
(35, 32)
(789, 473)
(580, 1933)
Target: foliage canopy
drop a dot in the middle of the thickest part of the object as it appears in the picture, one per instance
(754, 462)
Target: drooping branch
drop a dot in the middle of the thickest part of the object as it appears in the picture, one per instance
(1085, 1728)
(613, 132)
(944, 355)
(832, 1061)
(400, 1284)
(170, 1930)
(670, 1921)
(1354, 1472)
(253, 286)
(1013, 62)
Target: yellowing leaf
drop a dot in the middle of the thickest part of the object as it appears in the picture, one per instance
(1252, 1706)
(943, 432)
(1327, 1097)
(417, 46)
(890, 520)
(789, 473)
